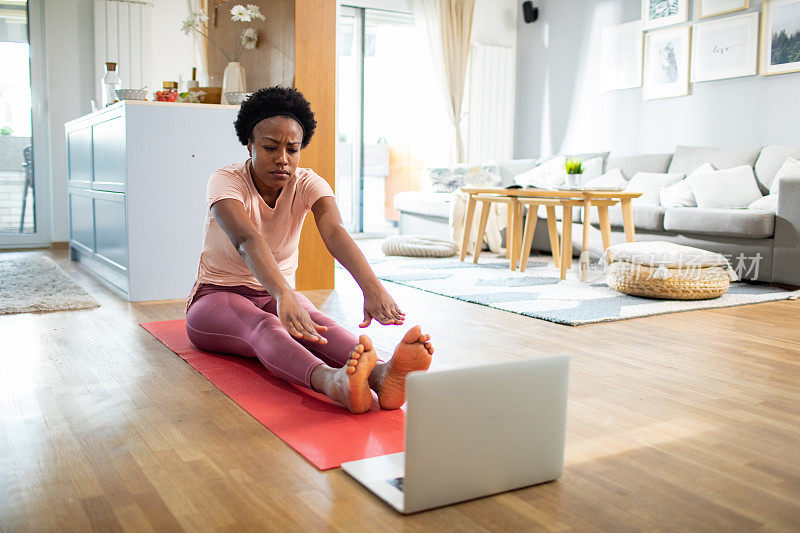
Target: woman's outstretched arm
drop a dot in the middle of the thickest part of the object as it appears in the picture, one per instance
(232, 218)
(378, 304)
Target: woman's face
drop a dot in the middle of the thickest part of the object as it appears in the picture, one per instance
(275, 150)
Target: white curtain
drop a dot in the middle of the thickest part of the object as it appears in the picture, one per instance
(448, 24)
(200, 44)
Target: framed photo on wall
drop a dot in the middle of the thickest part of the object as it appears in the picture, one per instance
(780, 37)
(666, 63)
(621, 53)
(658, 13)
(712, 8)
(725, 48)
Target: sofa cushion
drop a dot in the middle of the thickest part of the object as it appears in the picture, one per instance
(770, 160)
(650, 185)
(766, 203)
(483, 176)
(729, 188)
(434, 204)
(511, 167)
(645, 217)
(743, 223)
(448, 179)
(549, 174)
(612, 179)
(688, 158)
(680, 194)
(630, 165)
(789, 169)
(592, 169)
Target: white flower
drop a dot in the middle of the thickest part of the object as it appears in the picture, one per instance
(249, 38)
(194, 21)
(255, 12)
(239, 13)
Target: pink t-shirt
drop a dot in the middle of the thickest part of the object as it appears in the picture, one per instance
(220, 263)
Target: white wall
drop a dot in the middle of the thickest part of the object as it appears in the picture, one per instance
(73, 79)
(560, 107)
(69, 49)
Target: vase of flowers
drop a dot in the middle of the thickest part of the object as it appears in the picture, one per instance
(233, 79)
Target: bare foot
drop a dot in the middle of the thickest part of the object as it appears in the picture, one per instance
(349, 385)
(413, 353)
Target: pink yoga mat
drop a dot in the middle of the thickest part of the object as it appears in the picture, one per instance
(317, 428)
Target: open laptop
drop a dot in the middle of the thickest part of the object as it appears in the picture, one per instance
(472, 432)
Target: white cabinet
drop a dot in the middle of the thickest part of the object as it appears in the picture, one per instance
(137, 181)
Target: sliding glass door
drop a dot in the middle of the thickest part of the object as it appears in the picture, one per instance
(391, 118)
(21, 216)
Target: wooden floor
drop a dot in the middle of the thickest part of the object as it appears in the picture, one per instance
(688, 421)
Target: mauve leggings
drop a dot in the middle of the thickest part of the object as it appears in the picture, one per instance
(243, 321)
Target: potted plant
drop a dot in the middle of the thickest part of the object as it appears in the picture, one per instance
(574, 172)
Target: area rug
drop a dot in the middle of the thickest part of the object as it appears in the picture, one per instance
(320, 430)
(33, 283)
(540, 293)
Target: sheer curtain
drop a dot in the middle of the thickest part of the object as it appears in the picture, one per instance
(448, 24)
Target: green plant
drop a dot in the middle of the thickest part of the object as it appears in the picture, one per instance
(6, 130)
(574, 166)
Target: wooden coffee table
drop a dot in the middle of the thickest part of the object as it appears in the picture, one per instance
(568, 199)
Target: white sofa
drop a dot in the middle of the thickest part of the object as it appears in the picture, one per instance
(767, 242)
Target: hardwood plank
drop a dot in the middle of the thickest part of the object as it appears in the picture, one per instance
(675, 422)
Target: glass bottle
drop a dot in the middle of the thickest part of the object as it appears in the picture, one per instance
(109, 84)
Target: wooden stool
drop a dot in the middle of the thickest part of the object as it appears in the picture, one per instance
(530, 226)
(512, 230)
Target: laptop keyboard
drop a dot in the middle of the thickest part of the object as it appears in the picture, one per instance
(396, 482)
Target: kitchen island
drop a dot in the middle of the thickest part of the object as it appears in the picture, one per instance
(137, 176)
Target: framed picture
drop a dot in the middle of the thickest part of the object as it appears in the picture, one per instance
(621, 56)
(657, 13)
(712, 8)
(725, 48)
(780, 37)
(666, 63)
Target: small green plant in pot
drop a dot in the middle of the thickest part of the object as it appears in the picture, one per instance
(574, 170)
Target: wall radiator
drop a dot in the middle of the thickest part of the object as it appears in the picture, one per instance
(121, 29)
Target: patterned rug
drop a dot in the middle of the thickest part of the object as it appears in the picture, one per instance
(33, 283)
(540, 293)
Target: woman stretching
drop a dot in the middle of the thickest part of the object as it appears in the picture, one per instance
(243, 302)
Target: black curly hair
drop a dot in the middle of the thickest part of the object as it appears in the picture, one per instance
(274, 101)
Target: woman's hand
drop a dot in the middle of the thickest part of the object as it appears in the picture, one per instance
(297, 321)
(380, 306)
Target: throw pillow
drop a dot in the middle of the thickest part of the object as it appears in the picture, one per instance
(483, 176)
(443, 179)
(765, 203)
(613, 179)
(650, 185)
(791, 167)
(730, 188)
(592, 168)
(548, 175)
(680, 194)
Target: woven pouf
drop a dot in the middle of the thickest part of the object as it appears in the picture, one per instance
(418, 246)
(666, 270)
